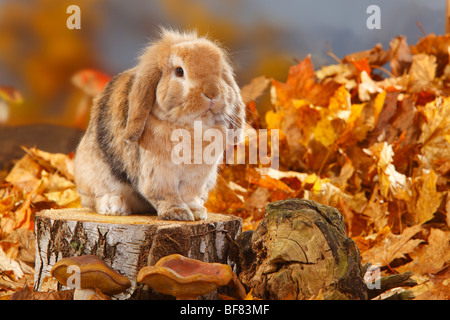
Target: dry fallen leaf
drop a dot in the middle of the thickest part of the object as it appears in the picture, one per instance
(367, 87)
(8, 264)
(422, 72)
(223, 198)
(401, 57)
(435, 132)
(339, 73)
(25, 174)
(27, 294)
(392, 247)
(375, 56)
(391, 182)
(53, 161)
(377, 211)
(431, 257)
(436, 46)
(301, 84)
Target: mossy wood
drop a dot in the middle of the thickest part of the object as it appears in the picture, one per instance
(129, 243)
(299, 249)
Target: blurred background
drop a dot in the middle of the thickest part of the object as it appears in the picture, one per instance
(39, 55)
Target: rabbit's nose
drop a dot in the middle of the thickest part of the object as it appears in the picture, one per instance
(211, 91)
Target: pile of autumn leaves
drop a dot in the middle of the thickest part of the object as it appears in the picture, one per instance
(373, 143)
(38, 181)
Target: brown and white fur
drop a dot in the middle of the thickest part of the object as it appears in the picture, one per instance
(123, 163)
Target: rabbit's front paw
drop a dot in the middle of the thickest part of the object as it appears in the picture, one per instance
(114, 205)
(176, 212)
(199, 212)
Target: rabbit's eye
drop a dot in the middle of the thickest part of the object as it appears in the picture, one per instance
(179, 72)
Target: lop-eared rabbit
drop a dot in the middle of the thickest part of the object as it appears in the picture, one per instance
(124, 163)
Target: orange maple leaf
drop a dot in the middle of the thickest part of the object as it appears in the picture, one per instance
(301, 84)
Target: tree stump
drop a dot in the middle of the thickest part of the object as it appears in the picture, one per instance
(300, 249)
(128, 243)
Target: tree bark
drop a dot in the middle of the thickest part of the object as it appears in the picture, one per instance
(300, 250)
(128, 243)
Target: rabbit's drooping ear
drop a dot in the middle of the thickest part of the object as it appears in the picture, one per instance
(237, 118)
(141, 97)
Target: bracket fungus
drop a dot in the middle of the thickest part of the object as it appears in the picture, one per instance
(86, 274)
(185, 278)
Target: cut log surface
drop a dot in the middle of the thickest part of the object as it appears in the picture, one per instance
(128, 243)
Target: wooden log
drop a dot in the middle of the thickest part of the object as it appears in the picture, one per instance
(300, 250)
(393, 281)
(128, 243)
(47, 137)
